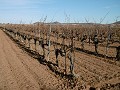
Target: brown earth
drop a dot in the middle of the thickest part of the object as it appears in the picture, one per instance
(20, 71)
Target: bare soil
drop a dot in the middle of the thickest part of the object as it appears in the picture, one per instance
(19, 71)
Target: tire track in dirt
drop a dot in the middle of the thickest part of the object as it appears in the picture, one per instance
(23, 78)
(104, 70)
(7, 81)
(103, 66)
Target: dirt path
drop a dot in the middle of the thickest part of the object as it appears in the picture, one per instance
(18, 71)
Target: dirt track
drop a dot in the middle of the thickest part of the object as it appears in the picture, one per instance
(18, 71)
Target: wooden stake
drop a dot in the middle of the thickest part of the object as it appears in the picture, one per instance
(49, 43)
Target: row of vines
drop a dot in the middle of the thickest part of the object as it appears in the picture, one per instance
(63, 40)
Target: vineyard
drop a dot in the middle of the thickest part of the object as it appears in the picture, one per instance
(81, 54)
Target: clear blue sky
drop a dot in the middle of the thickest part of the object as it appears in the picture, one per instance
(14, 11)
